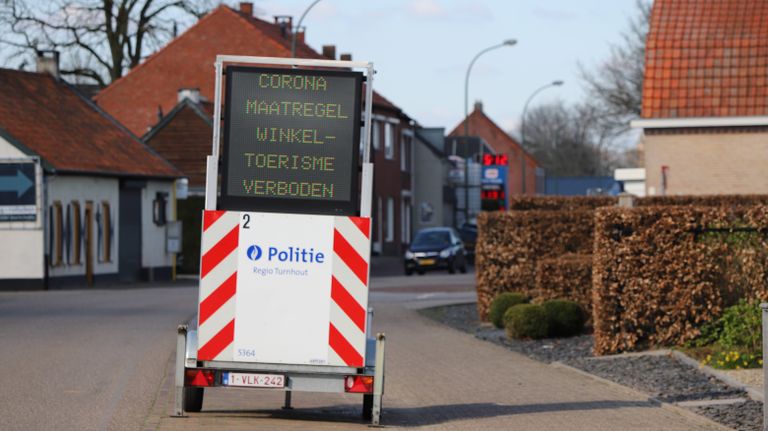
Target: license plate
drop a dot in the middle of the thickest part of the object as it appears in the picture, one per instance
(250, 380)
(427, 262)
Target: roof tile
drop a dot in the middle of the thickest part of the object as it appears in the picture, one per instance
(69, 132)
(717, 50)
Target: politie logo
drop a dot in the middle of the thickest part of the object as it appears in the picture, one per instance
(254, 252)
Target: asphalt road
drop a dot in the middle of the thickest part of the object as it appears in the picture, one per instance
(96, 359)
(103, 360)
(86, 360)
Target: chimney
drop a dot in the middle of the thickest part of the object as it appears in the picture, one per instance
(345, 57)
(478, 105)
(286, 24)
(193, 94)
(48, 62)
(329, 52)
(300, 33)
(246, 7)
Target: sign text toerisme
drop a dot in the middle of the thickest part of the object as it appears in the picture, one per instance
(291, 135)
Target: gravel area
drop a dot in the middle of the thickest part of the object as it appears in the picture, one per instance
(660, 376)
(746, 416)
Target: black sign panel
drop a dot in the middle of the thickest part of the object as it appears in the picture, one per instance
(17, 192)
(291, 141)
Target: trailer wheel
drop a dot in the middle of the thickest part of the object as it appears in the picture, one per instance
(193, 399)
(367, 407)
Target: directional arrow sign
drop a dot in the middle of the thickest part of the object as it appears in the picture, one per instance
(18, 197)
(18, 183)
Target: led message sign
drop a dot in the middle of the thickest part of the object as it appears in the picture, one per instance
(291, 140)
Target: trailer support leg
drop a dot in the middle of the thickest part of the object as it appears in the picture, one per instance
(287, 403)
(181, 348)
(378, 379)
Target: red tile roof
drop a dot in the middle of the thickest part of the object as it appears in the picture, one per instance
(481, 125)
(70, 133)
(187, 62)
(706, 58)
(183, 137)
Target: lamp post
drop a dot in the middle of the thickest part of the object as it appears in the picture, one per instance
(555, 83)
(508, 42)
(298, 26)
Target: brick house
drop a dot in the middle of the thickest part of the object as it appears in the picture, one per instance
(103, 198)
(524, 172)
(140, 98)
(705, 98)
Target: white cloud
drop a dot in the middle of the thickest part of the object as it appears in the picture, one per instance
(426, 8)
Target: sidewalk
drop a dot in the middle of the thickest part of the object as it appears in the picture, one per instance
(442, 379)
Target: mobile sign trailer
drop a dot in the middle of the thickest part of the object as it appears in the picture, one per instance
(285, 247)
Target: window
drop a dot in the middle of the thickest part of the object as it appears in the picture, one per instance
(75, 229)
(405, 221)
(405, 152)
(106, 237)
(389, 144)
(57, 234)
(158, 208)
(390, 219)
(375, 130)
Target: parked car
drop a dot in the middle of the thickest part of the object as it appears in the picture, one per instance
(436, 248)
(468, 234)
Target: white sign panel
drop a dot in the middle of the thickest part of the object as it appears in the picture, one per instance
(283, 288)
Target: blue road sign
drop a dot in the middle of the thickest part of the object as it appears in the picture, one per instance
(18, 192)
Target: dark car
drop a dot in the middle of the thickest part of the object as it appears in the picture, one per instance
(468, 234)
(436, 248)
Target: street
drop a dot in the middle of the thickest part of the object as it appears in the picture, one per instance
(92, 360)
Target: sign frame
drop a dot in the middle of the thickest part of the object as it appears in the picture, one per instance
(288, 205)
(212, 162)
(29, 219)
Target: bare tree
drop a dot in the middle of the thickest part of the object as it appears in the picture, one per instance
(564, 140)
(99, 39)
(615, 87)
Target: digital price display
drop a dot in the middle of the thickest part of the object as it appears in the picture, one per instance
(291, 140)
(495, 159)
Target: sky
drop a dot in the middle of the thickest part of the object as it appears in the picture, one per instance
(421, 48)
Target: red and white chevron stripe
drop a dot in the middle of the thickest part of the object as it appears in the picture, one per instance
(349, 291)
(218, 285)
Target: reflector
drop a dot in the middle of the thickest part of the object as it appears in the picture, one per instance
(201, 378)
(358, 384)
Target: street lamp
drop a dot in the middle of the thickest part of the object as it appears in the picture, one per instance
(555, 83)
(508, 42)
(298, 26)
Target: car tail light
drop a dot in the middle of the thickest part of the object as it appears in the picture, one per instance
(358, 384)
(199, 378)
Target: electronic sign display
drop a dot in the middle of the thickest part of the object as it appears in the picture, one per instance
(495, 159)
(291, 140)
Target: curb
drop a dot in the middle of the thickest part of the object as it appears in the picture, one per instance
(701, 420)
(754, 393)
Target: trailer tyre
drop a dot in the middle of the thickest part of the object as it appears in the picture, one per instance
(367, 407)
(193, 399)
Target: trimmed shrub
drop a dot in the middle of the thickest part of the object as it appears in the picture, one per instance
(526, 321)
(501, 304)
(661, 273)
(566, 277)
(566, 318)
(509, 244)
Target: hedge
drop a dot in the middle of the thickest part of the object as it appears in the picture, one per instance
(660, 273)
(706, 201)
(510, 244)
(559, 203)
(566, 277)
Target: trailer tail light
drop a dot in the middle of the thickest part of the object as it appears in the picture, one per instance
(201, 378)
(358, 384)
